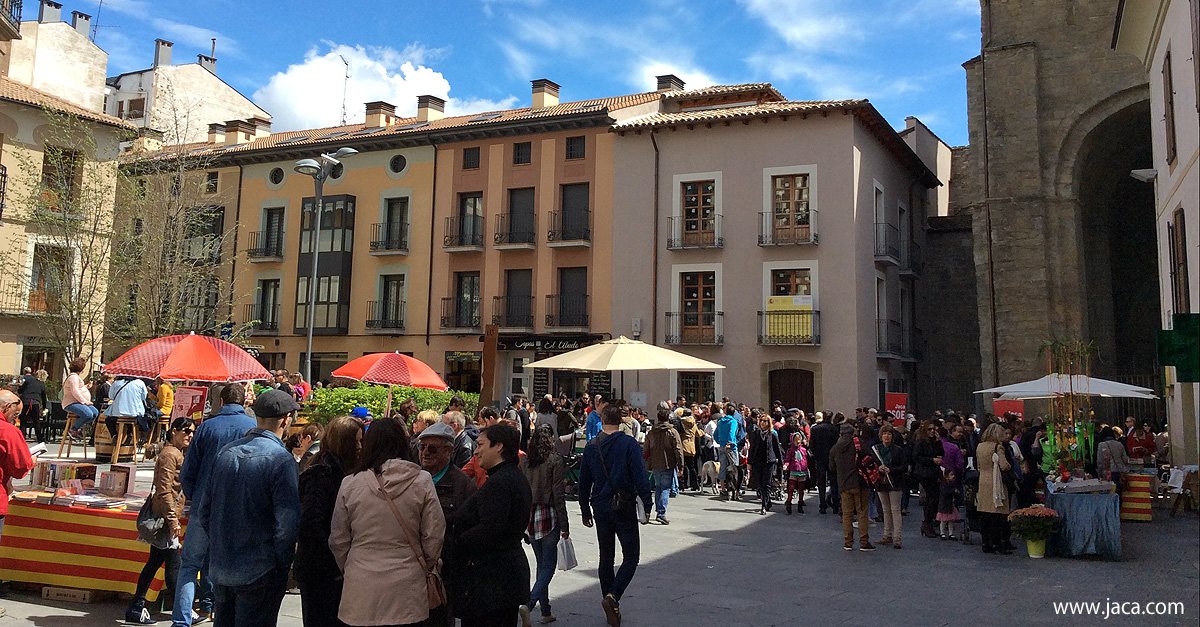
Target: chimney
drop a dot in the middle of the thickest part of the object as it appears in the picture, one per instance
(238, 131)
(669, 82)
(49, 12)
(545, 93)
(148, 140)
(81, 22)
(430, 108)
(380, 113)
(162, 52)
(207, 62)
(262, 127)
(216, 133)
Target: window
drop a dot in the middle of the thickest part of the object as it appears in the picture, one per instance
(48, 278)
(210, 183)
(470, 219)
(576, 147)
(698, 299)
(121, 109)
(699, 213)
(267, 312)
(337, 224)
(1169, 108)
(203, 234)
(572, 305)
(390, 310)
(522, 153)
(698, 387)
(521, 216)
(60, 169)
(466, 300)
(1181, 299)
(327, 310)
(791, 282)
(518, 299)
(200, 305)
(575, 220)
(398, 163)
(276, 176)
(337, 172)
(470, 158)
(136, 109)
(790, 200)
(393, 233)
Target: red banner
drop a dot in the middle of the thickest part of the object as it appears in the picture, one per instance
(897, 405)
(1005, 407)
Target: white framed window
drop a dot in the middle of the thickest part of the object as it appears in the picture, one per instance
(696, 210)
(790, 203)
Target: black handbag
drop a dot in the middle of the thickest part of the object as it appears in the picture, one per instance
(621, 500)
(152, 528)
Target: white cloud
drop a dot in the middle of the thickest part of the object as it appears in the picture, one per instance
(807, 24)
(309, 94)
(520, 62)
(177, 32)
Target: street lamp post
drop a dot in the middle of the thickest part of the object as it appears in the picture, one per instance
(319, 169)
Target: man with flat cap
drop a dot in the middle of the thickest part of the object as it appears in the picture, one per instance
(453, 486)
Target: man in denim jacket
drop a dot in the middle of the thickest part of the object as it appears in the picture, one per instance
(227, 424)
(250, 514)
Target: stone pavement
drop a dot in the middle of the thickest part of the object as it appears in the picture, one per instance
(721, 564)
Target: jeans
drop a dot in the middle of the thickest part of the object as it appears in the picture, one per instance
(662, 490)
(169, 559)
(855, 502)
(873, 504)
(193, 562)
(611, 528)
(252, 605)
(890, 502)
(86, 414)
(545, 552)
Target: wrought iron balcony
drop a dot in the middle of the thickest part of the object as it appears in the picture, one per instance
(389, 237)
(460, 313)
(516, 231)
(567, 311)
(513, 312)
(695, 232)
(911, 261)
(17, 297)
(262, 318)
(787, 229)
(889, 338)
(385, 315)
(266, 245)
(695, 328)
(570, 228)
(463, 234)
(10, 20)
(887, 243)
(789, 328)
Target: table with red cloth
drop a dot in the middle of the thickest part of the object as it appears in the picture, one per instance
(74, 547)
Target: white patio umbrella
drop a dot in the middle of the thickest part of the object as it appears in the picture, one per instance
(1055, 385)
(624, 354)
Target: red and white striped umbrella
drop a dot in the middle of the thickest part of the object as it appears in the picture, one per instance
(189, 358)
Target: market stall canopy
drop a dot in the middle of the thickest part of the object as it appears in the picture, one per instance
(624, 354)
(189, 358)
(392, 369)
(1055, 385)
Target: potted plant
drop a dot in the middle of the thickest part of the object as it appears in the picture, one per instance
(1035, 524)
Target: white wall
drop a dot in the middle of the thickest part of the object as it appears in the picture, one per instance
(59, 60)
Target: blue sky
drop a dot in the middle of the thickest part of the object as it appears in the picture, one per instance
(904, 55)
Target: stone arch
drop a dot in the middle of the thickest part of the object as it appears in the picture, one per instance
(1065, 175)
(766, 368)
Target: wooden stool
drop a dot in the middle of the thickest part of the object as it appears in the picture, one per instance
(67, 440)
(156, 433)
(122, 423)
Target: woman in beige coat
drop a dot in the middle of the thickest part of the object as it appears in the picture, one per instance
(993, 503)
(383, 580)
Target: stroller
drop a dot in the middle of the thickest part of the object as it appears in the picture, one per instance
(570, 446)
(970, 498)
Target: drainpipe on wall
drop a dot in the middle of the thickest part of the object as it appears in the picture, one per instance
(654, 280)
(432, 226)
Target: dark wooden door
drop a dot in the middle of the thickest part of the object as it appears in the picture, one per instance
(794, 388)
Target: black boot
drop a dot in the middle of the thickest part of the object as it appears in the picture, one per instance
(137, 614)
(787, 505)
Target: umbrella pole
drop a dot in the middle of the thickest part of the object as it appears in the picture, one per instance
(388, 411)
(623, 384)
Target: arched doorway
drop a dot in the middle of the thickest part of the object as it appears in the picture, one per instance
(794, 387)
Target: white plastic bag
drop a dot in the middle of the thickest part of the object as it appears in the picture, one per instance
(566, 554)
(640, 509)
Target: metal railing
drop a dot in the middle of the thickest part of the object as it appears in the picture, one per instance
(265, 244)
(772, 234)
(389, 236)
(513, 311)
(570, 226)
(263, 318)
(696, 328)
(515, 229)
(695, 233)
(460, 314)
(887, 243)
(566, 311)
(463, 231)
(889, 337)
(4, 182)
(385, 314)
(911, 261)
(789, 328)
(11, 11)
(15, 297)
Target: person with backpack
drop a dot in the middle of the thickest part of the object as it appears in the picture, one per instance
(844, 463)
(611, 476)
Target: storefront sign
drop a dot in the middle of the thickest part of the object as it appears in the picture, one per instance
(601, 383)
(548, 343)
(1009, 407)
(466, 356)
(897, 405)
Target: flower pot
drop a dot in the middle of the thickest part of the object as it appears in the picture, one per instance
(1037, 548)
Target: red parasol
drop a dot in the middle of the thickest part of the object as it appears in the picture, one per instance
(188, 358)
(392, 369)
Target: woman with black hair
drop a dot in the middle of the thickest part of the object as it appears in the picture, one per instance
(546, 415)
(927, 455)
(544, 469)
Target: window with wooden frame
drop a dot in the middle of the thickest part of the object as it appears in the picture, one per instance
(1181, 298)
(791, 210)
(791, 282)
(522, 153)
(698, 387)
(576, 147)
(698, 303)
(60, 174)
(699, 213)
(136, 109)
(1169, 108)
(470, 159)
(211, 182)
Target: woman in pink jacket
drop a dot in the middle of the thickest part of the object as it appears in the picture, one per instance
(77, 400)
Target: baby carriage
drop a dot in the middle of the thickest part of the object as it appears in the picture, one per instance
(970, 496)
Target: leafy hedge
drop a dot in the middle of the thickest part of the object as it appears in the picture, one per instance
(329, 403)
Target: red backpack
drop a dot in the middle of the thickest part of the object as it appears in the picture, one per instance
(868, 468)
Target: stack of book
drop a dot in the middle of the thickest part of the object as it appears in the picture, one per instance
(53, 473)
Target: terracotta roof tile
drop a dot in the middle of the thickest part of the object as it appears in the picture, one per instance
(734, 113)
(724, 90)
(14, 91)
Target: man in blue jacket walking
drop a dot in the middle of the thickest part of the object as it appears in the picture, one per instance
(592, 426)
(729, 437)
(227, 424)
(612, 463)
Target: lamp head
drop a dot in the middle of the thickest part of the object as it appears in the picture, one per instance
(308, 167)
(344, 152)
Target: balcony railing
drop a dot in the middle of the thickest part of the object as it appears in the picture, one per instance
(516, 231)
(385, 314)
(696, 328)
(10, 25)
(464, 232)
(17, 297)
(695, 233)
(460, 314)
(3, 184)
(389, 237)
(265, 244)
(773, 231)
(889, 338)
(567, 311)
(513, 312)
(789, 328)
(262, 318)
(887, 243)
(911, 261)
(570, 228)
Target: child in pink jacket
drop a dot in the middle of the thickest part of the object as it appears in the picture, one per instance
(795, 465)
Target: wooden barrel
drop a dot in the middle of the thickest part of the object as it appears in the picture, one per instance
(1135, 500)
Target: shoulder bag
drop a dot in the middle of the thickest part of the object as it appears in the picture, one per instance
(152, 528)
(436, 589)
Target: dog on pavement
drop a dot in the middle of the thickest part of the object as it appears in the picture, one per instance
(709, 473)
